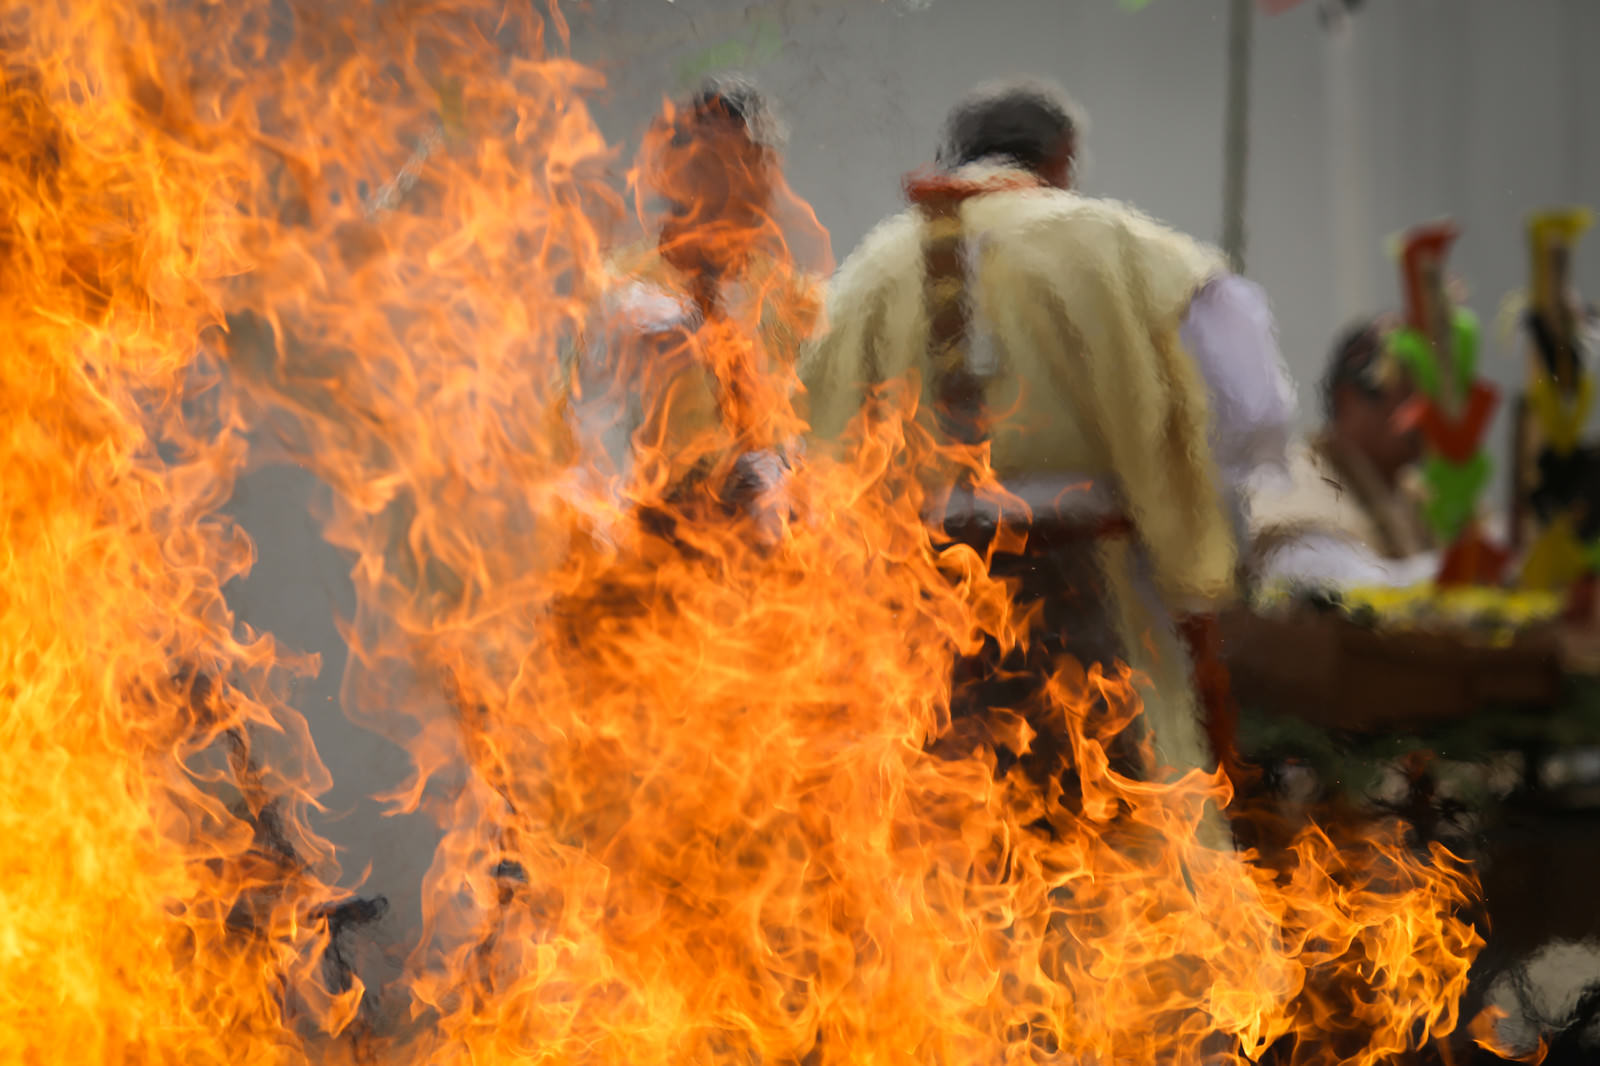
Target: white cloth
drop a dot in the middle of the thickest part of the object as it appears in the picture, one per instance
(1312, 528)
(1338, 562)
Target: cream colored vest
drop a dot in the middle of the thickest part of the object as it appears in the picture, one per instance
(1077, 306)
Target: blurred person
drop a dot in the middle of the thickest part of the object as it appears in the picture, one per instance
(1350, 511)
(1124, 379)
(697, 332)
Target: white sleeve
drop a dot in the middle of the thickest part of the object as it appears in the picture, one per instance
(1230, 332)
(606, 411)
(1321, 559)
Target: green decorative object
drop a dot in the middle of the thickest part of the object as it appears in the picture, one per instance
(765, 44)
(1454, 486)
(1453, 492)
(1412, 350)
(1591, 554)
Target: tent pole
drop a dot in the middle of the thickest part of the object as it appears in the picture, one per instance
(1241, 23)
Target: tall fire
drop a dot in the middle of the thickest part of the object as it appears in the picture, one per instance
(686, 758)
(158, 892)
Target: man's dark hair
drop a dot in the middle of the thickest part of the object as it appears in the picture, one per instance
(734, 100)
(1024, 121)
(1354, 364)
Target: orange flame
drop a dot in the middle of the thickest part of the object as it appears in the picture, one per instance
(706, 815)
(158, 885)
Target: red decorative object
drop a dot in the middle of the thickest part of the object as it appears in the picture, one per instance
(1473, 559)
(1454, 438)
(1424, 244)
(1583, 599)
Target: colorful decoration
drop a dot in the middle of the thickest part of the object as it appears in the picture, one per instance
(1438, 348)
(1557, 473)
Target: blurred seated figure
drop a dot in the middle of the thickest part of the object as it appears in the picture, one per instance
(1349, 512)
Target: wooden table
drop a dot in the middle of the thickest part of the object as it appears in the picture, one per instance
(1323, 667)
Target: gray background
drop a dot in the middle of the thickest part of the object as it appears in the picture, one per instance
(1480, 109)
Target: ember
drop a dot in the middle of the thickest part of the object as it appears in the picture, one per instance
(703, 819)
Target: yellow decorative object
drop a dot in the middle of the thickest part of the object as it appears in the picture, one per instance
(1548, 230)
(1556, 403)
(1557, 558)
(1551, 236)
(1497, 615)
(1561, 417)
(1463, 604)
